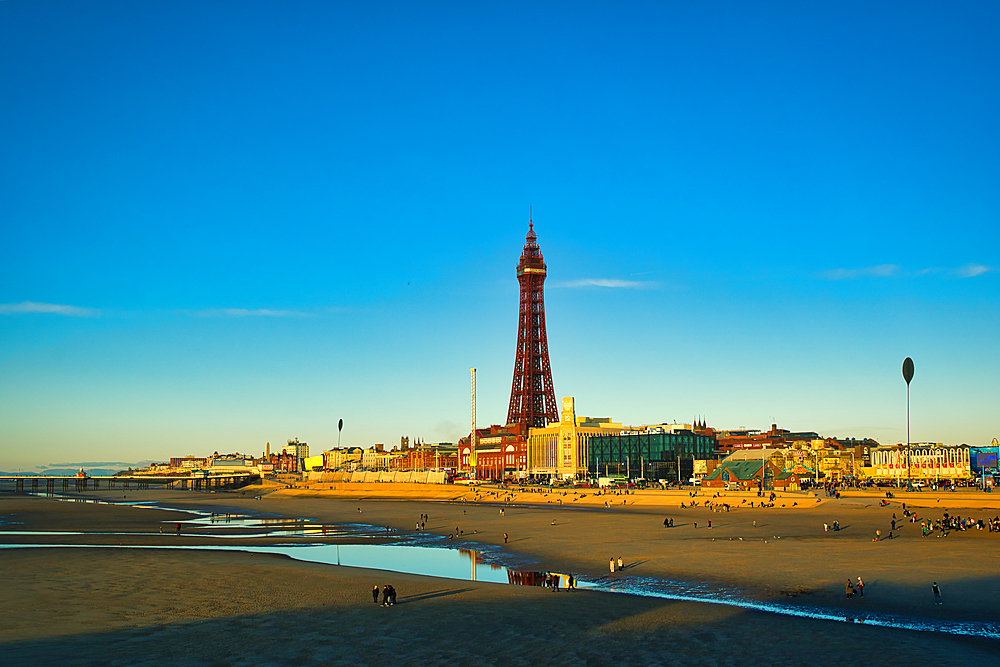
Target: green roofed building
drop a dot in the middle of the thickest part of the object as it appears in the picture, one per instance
(656, 453)
(742, 475)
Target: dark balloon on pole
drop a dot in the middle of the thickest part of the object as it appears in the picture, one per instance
(340, 425)
(908, 370)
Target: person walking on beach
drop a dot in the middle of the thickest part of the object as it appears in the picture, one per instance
(505, 538)
(620, 564)
(861, 587)
(375, 594)
(937, 593)
(849, 589)
(666, 522)
(612, 565)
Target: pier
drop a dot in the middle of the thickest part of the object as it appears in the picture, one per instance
(66, 483)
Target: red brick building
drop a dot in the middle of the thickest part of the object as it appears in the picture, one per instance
(425, 459)
(283, 462)
(751, 439)
(501, 452)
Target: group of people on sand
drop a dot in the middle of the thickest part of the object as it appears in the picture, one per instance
(388, 595)
(948, 523)
(616, 566)
(553, 579)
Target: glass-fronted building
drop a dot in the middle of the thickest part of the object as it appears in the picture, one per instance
(649, 455)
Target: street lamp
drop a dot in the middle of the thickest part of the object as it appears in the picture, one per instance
(908, 375)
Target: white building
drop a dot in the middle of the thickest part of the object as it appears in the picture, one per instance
(928, 461)
(299, 449)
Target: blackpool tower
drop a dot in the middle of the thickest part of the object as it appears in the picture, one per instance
(532, 398)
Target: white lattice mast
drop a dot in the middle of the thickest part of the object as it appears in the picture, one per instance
(472, 439)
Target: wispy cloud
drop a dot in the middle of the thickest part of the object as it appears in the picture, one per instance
(973, 270)
(880, 271)
(246, 312)
(50, 308)
(609, 282)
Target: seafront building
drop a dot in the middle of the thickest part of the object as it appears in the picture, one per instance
(440, 456)
(347, 458)
(660, 452)
(299, 450)
(559, 450)
(928, 462)
(501, 452)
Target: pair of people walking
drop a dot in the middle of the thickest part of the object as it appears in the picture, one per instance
(616, 567)
(850, 590)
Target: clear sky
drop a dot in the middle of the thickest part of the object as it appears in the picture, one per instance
(228, 223)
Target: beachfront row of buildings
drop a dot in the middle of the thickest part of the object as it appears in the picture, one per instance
(578, 448)
(294, 458)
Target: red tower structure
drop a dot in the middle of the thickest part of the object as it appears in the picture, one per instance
(532, 398)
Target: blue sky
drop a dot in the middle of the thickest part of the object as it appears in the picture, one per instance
(228, 223)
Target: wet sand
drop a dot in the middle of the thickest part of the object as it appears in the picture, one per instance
(787, 556)
(91, 606)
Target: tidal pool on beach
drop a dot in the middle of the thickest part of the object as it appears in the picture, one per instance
(471, 565)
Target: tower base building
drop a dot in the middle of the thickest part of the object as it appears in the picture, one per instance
(559, 450)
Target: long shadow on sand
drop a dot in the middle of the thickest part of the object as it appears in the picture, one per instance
(433, 594)
(554, 630)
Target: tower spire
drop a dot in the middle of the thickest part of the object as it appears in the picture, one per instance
(532, 397)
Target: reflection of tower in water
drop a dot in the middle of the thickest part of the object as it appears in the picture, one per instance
(515, 577)
(527, 578)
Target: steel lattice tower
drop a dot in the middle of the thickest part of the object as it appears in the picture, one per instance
(532, 398)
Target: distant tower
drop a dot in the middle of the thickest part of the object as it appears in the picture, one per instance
(473, 459)
(532, 398)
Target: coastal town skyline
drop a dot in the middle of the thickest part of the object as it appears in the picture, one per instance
(271, 229)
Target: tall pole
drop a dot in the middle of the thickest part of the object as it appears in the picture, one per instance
(473, 461)
(908, 375)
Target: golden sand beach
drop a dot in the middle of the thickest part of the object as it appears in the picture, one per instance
(170, 606)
